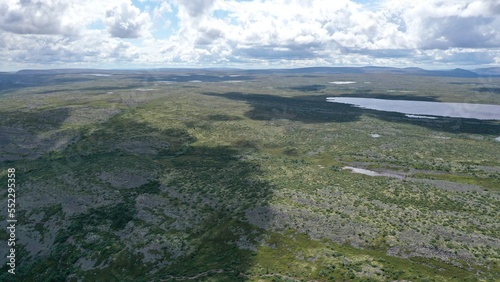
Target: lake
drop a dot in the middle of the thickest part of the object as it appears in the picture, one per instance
(424, 109)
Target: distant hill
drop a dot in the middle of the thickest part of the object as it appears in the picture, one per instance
(494, 71)
(319, 70)
(73, 71)
(372, 69)
(452, 73)
(60, 71)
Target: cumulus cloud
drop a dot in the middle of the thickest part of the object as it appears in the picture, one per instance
(208, 36)
(35, 17)
(393, 30)
(127, 21)
(449, 24)
(195, 8)
(462, 56)
(263, 32)
(160, 10)
(304, 30)
(49, 50)
(313, 28)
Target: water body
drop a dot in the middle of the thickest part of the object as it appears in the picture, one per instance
(424, 109)
(372, 173)
(97, 74)
(417, 116)
(342, 82)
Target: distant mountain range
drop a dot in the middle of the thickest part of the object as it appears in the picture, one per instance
(480, 72)
(495, 71)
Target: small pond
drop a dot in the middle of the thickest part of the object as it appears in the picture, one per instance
(372, 173)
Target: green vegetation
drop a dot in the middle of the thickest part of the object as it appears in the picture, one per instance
(489, 181)
(129, 178)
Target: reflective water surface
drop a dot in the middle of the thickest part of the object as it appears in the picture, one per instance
(372, 173)
(424, 109)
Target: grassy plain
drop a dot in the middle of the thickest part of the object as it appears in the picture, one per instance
(209, 176)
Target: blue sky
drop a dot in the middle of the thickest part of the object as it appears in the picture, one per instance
(248, 34)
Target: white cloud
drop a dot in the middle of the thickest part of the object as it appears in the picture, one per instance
(48, 50)
(195, 8)
(52, 17)
(449, 24)
(294, 29)
(35, 17)
(267, 32)
(161, 9)
(126, 21)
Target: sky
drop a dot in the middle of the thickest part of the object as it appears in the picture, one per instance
(435, 34)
